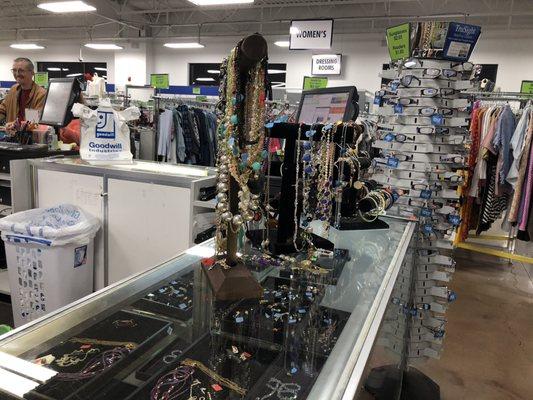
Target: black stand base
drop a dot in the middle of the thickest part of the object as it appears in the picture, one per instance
(233, 284)
(356, 224)
(383, 383)
(276, 248)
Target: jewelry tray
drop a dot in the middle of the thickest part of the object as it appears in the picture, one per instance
(163, 303)
(146, 332)
(228, 365)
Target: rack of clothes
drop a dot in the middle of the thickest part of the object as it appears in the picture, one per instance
(186, 130)
(499, 184)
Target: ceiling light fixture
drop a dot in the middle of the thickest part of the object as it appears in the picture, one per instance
(184, 45)
(66, 6)
(26, 46)
(276, 71)
(100, 69)
(213, 71)
(53, 69)
(205, 79)
(282, 43)
(219, 2)
(103, 46)
(64, 69)
(74, 75)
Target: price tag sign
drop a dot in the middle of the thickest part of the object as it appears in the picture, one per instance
(398, 41)
(398, 109)
(526, 87)
(389, 137)
(460, 41)
(455, 220)
(196, 90)
(311, 82)
(378, 100)
(425, 194)
(426, 212)
(437, 119)
(41, 79)
(393, 162)
(159, 81)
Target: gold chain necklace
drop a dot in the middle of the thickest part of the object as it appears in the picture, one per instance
(220, 379)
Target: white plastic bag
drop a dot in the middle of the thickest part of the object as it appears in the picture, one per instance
(105, 136)
(54, 226)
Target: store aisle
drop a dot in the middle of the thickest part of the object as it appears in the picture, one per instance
(488, 351)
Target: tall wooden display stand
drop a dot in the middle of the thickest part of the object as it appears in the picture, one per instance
(237, 282)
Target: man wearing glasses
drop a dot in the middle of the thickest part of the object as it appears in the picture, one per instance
(24, 94)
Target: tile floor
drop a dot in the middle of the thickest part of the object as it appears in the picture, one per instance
(488, 352)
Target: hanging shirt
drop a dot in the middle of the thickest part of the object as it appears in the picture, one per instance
(501, 142)
(164, 131)
(517, 145)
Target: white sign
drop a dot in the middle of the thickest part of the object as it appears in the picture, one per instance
(311, 34)
(326, 64)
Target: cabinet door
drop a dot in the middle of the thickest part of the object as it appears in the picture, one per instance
(84, 191)
(148, 224)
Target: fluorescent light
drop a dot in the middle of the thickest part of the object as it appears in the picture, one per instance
(282, 43)
(205, 79)
(26, 46)
(294, 30)
(100, 69)
(54, 69)
(276, 71)
(213, 71)
(184, 45)
(66, 6)
(73, 75)
(64, 69)
(219, 2)
(103, 46)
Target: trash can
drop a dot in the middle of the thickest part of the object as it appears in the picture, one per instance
(49, 255)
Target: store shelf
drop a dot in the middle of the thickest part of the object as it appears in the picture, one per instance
(205, 204)
(4, 282)
(5, 177)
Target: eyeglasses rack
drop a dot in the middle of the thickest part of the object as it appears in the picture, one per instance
(422, 134)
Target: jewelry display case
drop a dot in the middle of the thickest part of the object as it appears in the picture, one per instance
(160, 334)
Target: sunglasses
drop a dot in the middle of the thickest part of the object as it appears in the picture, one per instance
(436, 72)
(398, 137)
(429, 111)
(407, 80)
(429, 130)
(432, 92)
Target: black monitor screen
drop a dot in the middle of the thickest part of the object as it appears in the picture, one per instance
(323, 106)
(57, 102)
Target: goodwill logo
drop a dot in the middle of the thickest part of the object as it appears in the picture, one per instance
(105, 125)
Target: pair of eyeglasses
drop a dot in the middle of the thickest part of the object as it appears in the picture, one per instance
(429, 130)
(426, 186)
(454, 159)
(18, 71)
(398, 137)
(429, 111)
(432, 92)
(459, 66)
(408, 80)
(436, 72)
(451, 178)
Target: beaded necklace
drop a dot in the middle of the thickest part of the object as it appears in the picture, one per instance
(240, 156)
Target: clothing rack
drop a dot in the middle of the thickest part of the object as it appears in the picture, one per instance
(509, 239)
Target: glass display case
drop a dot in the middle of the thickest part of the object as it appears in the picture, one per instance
(161, 335)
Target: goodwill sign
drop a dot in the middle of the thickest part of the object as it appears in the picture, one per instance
(326, 64)
(311, 34)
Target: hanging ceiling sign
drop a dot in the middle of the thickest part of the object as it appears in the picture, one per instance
(398, 41)
(314, 34)
(326, 64)
(460, 41)
(526, 87)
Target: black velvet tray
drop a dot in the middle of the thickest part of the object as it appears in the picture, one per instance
(221, 354)
(145, 333)
(173, 300)
(157, 364)
(283, 307)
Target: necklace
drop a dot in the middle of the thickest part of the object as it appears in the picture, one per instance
(327, 159)
(75, 357)
(175, 383)
(296, 186)
(241, 150)
(128, 345)
(212, 374)
(265, 243)
(309, 172)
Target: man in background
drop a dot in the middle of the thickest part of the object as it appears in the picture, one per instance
(24, 94)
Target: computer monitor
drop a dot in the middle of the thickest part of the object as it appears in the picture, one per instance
(61, 95)
(320, 106)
